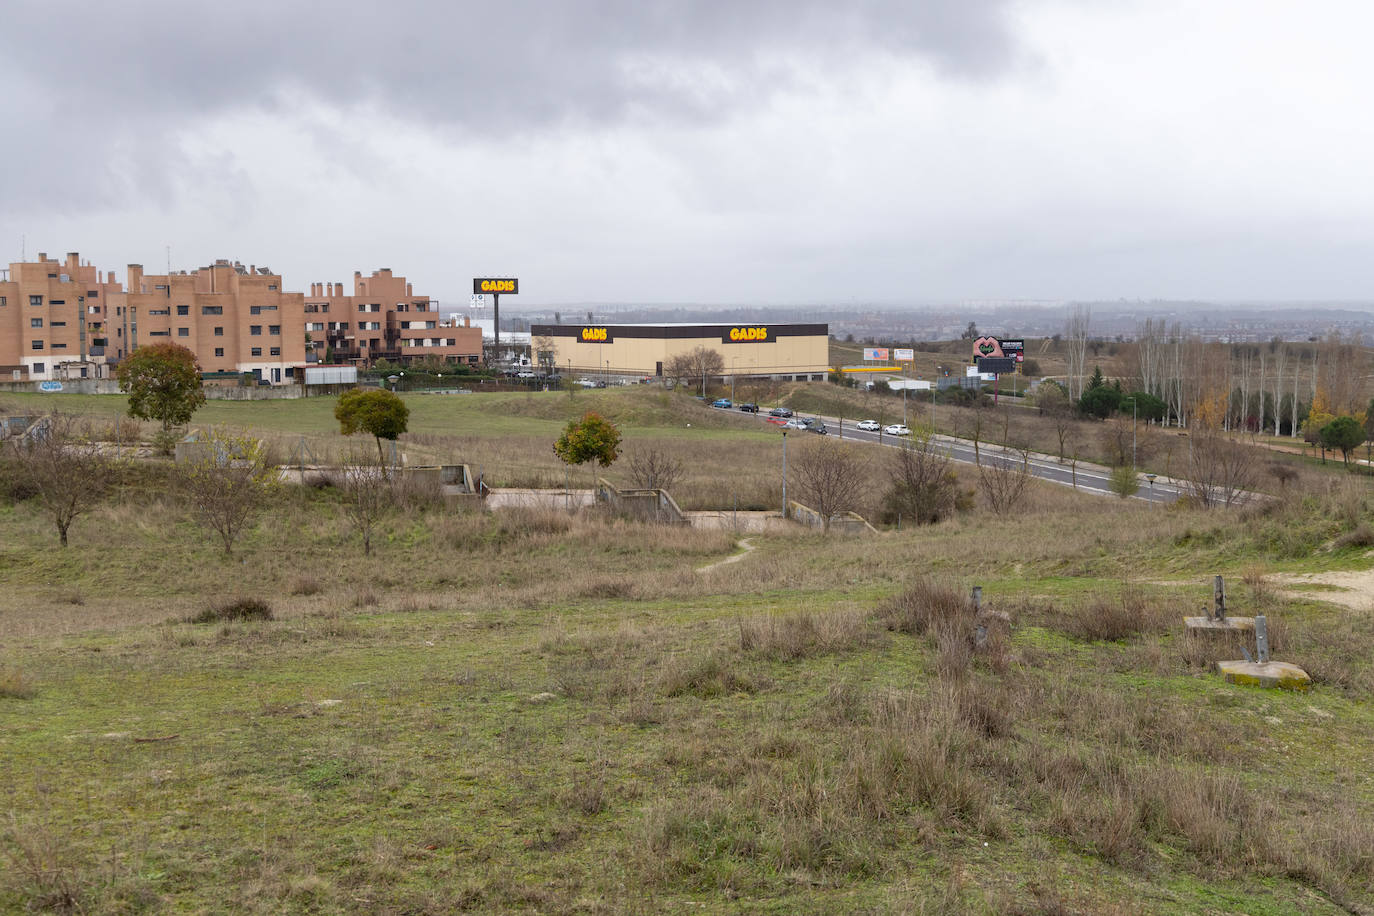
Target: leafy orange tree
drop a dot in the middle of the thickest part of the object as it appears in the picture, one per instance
(593, 438)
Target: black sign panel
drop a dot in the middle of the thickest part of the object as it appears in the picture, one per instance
(998, 364)
(747, 333)
(1014, 348)
(483, 285)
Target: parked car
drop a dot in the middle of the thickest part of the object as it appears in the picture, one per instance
(897, 429)
(586, 383)
(722, 403)
(524, 373)
(870, 426)
(749, 408)
(780, 412)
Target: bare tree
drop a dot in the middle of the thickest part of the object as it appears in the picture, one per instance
(1054, 401)
(830, 477)
(922, 487)
(699, 362)
(542, 352)
(1003, 482)
(369, 493)
(655, 469)
(64, 468)
(1076, 332)
(1220, 472)
(227, 484)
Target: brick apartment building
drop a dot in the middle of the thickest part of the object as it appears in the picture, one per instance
(384, 319)
(65, 319)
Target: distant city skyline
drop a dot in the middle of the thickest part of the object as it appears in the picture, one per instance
(871, 154)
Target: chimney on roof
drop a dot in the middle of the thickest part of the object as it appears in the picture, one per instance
(42, 256)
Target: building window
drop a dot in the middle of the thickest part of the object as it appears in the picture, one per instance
(35, 300)
(183, 310)
(219, 351)
(324, 307)
(212, 310)
(255, 330)
(271, 286)
(275, 351)
(3, 303)
(38, 344)
(183, 332)
(274, 329)
(219, 332)
(259, 309)
(92, 293)
(57, 302)
(39, 368)
(58, 346)
(401, 307)
(361, 308)
(57, 324)
(256, 351)
(35, 322)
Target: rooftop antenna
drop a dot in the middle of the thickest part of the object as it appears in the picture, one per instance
(169, 261)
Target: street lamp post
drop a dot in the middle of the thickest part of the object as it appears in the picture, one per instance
(784, 473)
(1133, 434)
(732, 378)
(1151, 479)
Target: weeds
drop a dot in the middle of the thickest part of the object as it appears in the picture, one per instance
(15, 685)
(233, 609)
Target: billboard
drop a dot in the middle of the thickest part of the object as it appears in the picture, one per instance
(993, 348)
(875, 353)
(496, 285)
(904, 356)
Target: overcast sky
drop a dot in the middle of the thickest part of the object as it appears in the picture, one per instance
(772, 151)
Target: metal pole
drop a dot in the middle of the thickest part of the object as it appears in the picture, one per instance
(732, 380)
(784, 473)
(904, 402)
(1132, 434)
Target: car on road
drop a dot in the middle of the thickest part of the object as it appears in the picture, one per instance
(818, 427)
(586, 383)
(897, 429)
(748, 408)
(780, 412)
(794, 423)
(722, 403)
(870, 426)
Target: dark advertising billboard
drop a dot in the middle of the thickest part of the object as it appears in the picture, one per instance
(482, 285)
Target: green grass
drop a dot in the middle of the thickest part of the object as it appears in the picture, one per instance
(530, 713)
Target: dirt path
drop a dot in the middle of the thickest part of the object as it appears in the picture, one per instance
(1352, 589)
(733, 558)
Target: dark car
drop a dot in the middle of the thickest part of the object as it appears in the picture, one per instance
(817, 426)
(780, 412)
(749, 408)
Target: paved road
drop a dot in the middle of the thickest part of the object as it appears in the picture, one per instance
(1091, 478)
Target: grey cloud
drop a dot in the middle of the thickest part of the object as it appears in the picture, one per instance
(525, 63)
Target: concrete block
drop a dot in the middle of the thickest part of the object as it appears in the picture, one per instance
(1269, 674)
(1235, 624)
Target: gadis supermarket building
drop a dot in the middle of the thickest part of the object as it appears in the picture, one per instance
(787, 352)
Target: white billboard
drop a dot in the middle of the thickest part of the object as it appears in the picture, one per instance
(904, 356)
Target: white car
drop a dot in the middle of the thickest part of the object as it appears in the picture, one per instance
(897, 429)
(794, 423)
(870, 426)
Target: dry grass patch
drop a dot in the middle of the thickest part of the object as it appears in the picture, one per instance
(15, 685)
(800, 635)
(232, 610)
(305, 585)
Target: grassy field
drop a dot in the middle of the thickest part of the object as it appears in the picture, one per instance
(541, 712)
